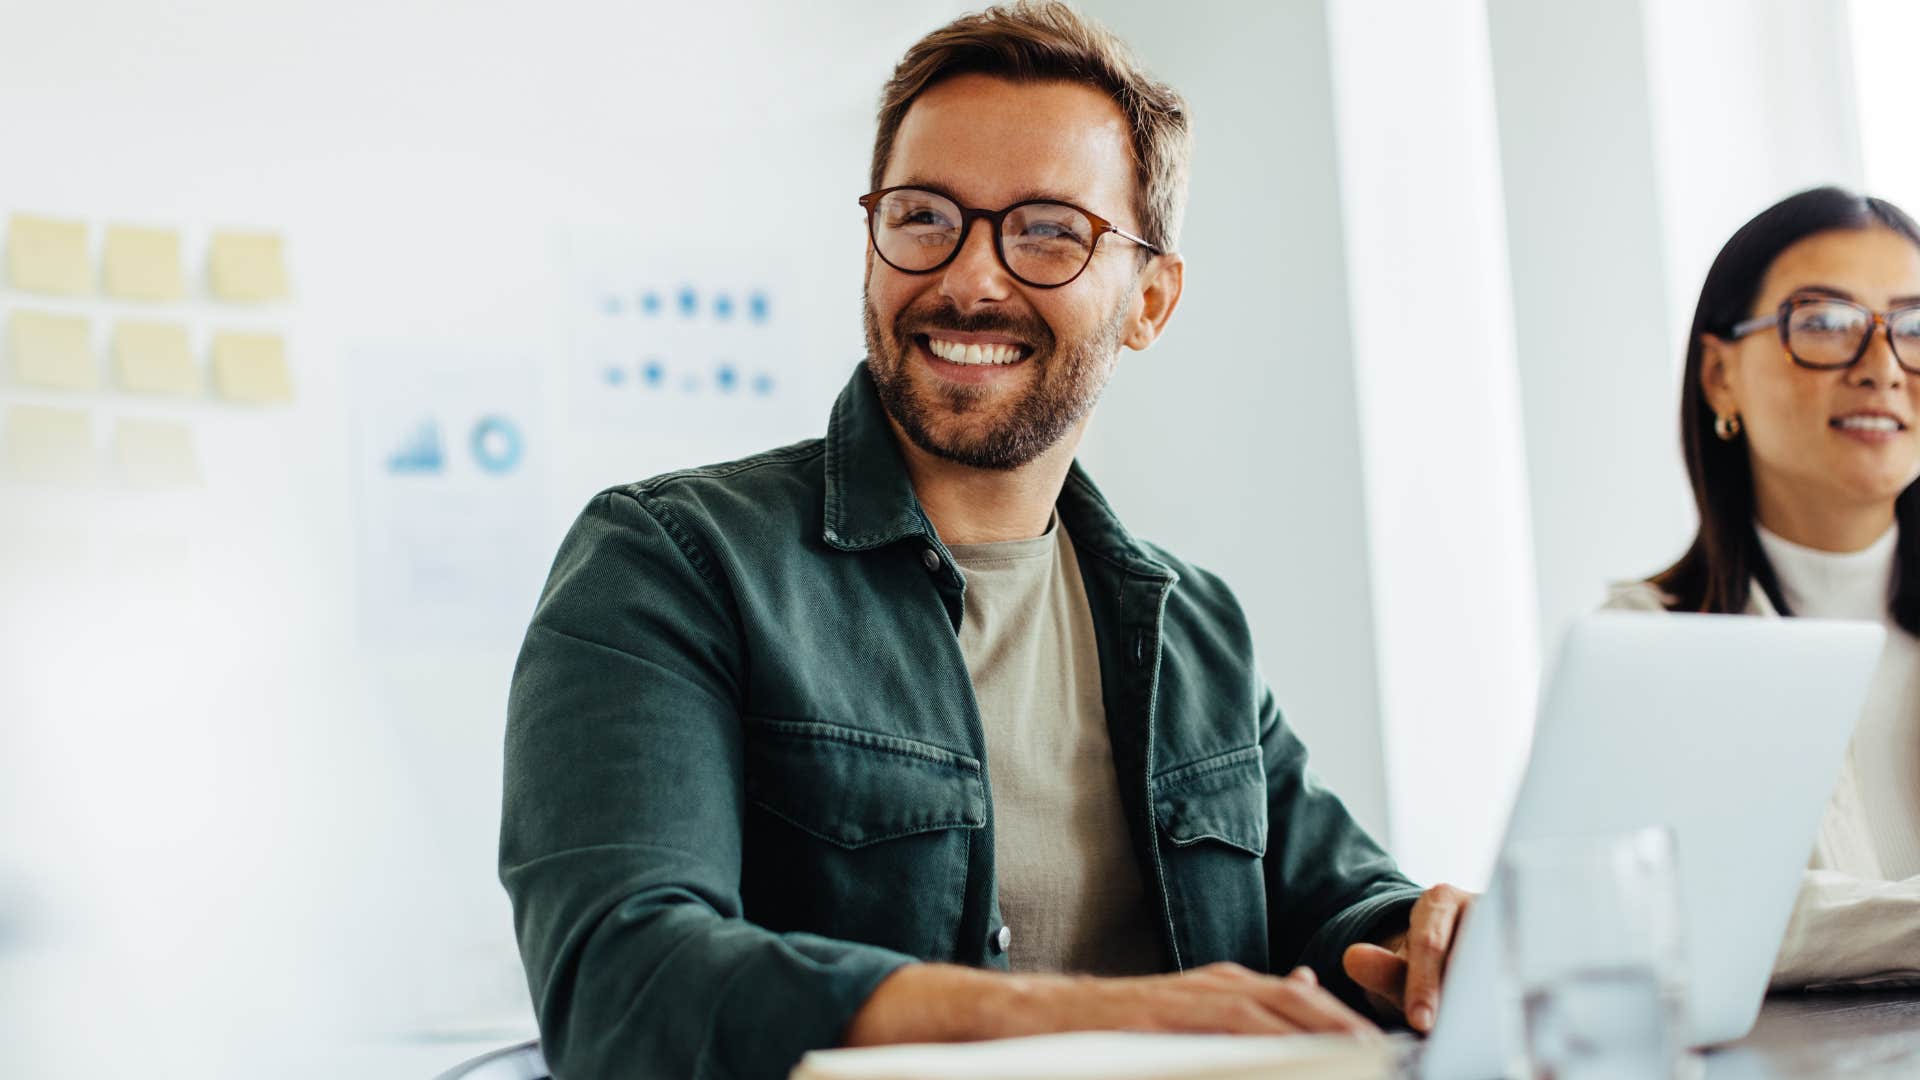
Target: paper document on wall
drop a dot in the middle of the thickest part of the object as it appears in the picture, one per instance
(698, 348)
(54, 352)
(251, 368)
(48, 256)
(48, 446)
(144, 264)
(1099, 1055)
(155, 453)
(246, 268)
(154, 358)
(451, 455)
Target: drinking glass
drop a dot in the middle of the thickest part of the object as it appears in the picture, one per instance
(1594, 941)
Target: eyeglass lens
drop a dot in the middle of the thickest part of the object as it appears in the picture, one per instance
(1041, 243)
(1830, 333)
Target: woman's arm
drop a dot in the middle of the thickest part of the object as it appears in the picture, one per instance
(1849, 930)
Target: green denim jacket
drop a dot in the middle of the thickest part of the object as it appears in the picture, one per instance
(746, 780)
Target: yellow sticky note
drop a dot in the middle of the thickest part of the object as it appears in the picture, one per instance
(154, 358)
(144, 264)
(247, 267)
(48, 256)
(52, 351)
(155, 453)
(251, 367)
(50, 446)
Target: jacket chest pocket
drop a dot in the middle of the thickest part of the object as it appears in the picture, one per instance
(1212, 817)
(856, 835)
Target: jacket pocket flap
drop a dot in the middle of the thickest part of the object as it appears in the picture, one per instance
(853, 788)
(1222, 798)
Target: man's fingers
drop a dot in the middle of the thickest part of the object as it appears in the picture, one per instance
(1430, 932)
(1310, 1008)
(1379, 971)
(1224, 998)
(1242, 1016)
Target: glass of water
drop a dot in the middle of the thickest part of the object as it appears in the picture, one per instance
(1594, 939)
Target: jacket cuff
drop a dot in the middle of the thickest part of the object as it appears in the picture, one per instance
(763, 1027)
(1376, 916)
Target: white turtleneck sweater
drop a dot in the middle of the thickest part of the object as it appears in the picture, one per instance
(1886, 744)
(1858, 917)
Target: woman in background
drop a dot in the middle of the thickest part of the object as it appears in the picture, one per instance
(1800, 419)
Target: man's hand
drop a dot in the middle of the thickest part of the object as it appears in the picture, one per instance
(1219, 997)
(941, 1003)
(1402, 975)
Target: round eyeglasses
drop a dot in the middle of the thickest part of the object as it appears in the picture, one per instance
(1825, 332)
(1042, 243)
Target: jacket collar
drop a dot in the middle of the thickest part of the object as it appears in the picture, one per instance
(1094, 526)
(870, 501)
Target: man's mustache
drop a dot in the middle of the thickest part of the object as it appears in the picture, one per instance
(1032, 331)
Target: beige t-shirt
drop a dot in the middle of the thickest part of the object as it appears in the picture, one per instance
(1071, 892)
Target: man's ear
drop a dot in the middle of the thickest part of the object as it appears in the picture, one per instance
(1160, 289)
(1719, 367)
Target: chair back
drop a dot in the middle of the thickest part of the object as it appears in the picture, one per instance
(523, 1062)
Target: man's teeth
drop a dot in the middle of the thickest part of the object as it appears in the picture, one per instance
(954, 352)
(1868, 423)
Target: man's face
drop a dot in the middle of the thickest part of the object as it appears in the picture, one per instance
(990, 143)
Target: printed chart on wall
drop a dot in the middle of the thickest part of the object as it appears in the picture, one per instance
(687, 340)
(448, 468)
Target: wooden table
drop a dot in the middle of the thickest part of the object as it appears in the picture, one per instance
(1854, 1035)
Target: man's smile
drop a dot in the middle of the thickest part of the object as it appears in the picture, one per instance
(973, 359)
(962, 352)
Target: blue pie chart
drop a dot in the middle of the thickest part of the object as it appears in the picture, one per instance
(497, 444)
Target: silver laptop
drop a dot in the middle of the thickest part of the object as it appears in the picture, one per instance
(1728, 729)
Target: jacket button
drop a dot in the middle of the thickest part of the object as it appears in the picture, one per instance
(931, 560)
(1002, 939)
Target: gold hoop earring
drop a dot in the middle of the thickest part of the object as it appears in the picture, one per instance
(1727, 427)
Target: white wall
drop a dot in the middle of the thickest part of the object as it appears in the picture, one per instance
(1880, 30)
(1591, 305)
(1751, 102)
(239, 841)
(1445, 472)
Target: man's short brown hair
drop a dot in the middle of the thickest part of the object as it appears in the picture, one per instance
(1044, 40)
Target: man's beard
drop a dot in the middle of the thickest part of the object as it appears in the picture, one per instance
(1067, 380)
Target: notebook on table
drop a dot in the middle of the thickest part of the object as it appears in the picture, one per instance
(1111, 1055)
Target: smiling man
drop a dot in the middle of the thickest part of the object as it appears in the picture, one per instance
(900, 735)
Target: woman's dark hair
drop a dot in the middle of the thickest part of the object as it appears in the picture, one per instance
(1717, 572)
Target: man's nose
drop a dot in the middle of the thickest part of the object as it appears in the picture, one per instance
(976, 276)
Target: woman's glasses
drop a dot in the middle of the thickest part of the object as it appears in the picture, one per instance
(1826, 332)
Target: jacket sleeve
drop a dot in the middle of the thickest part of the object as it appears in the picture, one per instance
(1328, 884)
(620, 841)
(1849, 931)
